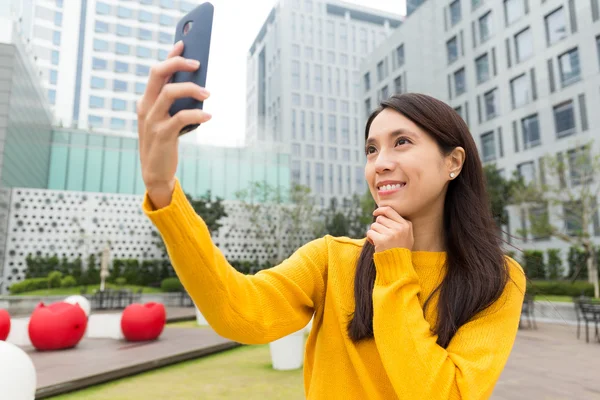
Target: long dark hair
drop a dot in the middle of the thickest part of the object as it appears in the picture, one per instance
(476, 267)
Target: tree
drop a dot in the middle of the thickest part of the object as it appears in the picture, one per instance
(499, 191)
(563, 204)
(279, 220)
(210, 210)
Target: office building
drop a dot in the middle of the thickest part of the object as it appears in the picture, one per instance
(412, 5)
(524, 75)
(302, 90)
(95, 55)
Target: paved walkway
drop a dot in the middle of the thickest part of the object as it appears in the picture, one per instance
(550, 363)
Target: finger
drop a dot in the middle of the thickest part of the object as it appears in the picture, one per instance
(187, 117)
(161, 72)
(381, 229)
(374, 236)
(390, 213)
(174, 91)
(176, 50)
(388, 223)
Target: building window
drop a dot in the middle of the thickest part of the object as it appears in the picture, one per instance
(368, 107)
(520, 91)
(143, 52)
(400, 55)
(332, 154)
(100, 45)
(564, 119)
(573, 217)
(455, 12)
(119, 86)
(117, 123)
(55, 57)
(296, 75)
(488, 146)
(140, 87)
(168, 4)
(162, 54)
(58, 18)
(124, 12)
(367, 80)
(491, 104)
(526, 171)
(121, 48)
(95, 121)
(556, 26)
(452, 49)
(331, 105)
(121, 67)
(531, 131)
(524, 45)
(513, 10)
(380, 71)
(119, 105)
(296, 99)
(144, 34)
(56, 38)
(123, 30)
(53, 76)
(580, 165)
(482, 65)
(166, 20)
(98, 83)
(598, 47)
(398, 85)
(52, 96)
(142, 70)
(330, 40)
(98, 63)
(96, 102)
(459, 82)
(332, 123)
(101, 27)
(485, 27)
(570, 70)
(165, 38)
(384, 93)
(145, 16)
(102, 8)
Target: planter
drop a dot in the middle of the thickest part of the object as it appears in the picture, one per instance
(287, 353)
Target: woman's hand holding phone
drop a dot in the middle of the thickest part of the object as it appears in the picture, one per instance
(158, 132)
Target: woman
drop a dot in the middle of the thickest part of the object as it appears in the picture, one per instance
(425, 307)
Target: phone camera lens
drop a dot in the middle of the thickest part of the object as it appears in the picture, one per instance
(187, 27)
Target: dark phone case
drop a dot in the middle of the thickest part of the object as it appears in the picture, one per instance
(196, 45)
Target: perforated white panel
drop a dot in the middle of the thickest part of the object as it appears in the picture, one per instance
(76, 224)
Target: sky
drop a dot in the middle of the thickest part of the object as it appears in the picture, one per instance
(236, 24)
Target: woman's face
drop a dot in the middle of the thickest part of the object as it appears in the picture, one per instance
(405, 168)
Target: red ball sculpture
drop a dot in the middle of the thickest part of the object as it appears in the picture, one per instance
(57, 326)
(141, 322)
(4, 324)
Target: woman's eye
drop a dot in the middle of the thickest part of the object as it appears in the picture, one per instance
(402, 141)
(368, 150)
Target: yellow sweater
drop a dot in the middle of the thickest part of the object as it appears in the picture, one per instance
(402, 362)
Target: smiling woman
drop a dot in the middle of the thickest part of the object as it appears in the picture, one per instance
(435, 307)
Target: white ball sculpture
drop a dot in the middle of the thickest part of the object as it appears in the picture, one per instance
(82, 301)
(17, 373)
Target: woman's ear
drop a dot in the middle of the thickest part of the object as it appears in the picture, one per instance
(455, 161)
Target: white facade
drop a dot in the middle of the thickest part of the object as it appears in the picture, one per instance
(95, 55)
(302, 91)
(525, 76)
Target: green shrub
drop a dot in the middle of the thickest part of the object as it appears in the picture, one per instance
(171, 285)
(28, 285)
(577, 261)
(561, 288)
(68, 281)
(534, 266)
(555, 267)
(54, 279)
(121, 281)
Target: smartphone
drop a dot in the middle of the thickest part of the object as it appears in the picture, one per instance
(195, 30)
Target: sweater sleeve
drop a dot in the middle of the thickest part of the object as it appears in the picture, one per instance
(250, 309)
(417, 366)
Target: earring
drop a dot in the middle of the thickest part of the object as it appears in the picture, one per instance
(452, 174)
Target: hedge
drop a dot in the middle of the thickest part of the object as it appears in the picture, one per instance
(560, 288)
(171, 285)
(28, 285)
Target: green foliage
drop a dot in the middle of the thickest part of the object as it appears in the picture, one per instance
(28, 285)
(577, 263)
(210, 210)
(116, 270)
(560, 288)
(499, 192)
(555, 267)
(92, 273)
(120, 281)
(534, 265)
(171, 285)
(54, 279)
(130, 271)
(245, 267)
(68, 281)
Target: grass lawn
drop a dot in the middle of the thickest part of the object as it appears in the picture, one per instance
(185, 324)
(241, 373)
(77, 290)
(560, 299)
